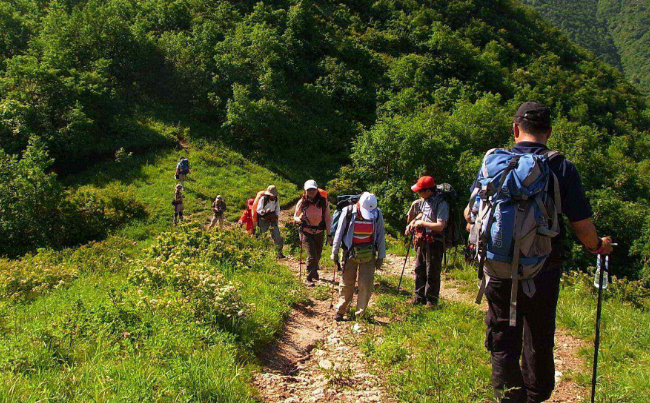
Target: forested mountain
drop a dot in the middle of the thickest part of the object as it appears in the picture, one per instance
(618, 31)
(397, 87)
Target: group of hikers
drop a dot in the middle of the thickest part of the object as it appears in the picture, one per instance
(516, 236)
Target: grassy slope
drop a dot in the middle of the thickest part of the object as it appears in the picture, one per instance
(439, 354)
(92, 339)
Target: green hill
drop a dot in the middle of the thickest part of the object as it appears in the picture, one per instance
(616, 31)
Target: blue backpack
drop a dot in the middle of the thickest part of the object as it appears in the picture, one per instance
(183, 166)
(515, 219)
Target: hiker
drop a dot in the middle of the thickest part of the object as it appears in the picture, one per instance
(361, 236)
(177, 202)
(268, 213)
(218, 208)
(313, 215)
(427, 219)
(247, 217)
(182, 169)
(521, 319)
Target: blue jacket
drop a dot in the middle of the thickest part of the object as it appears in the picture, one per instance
(379, 234)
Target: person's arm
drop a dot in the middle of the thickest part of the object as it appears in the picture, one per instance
(328, 219)
(277, 206)
(338, 237)
(586, 232)
(436, 227)
(297, 216)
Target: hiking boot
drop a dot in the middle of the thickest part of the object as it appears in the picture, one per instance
(281, 255)
(310, 283)
(416, 301)
(339, 317)
(431, 304)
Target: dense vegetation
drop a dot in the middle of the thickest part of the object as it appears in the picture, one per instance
(616, 31)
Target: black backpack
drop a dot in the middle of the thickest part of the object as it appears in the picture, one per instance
(341, 203)
(451, 235)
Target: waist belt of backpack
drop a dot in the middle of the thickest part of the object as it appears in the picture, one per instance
(322, 226)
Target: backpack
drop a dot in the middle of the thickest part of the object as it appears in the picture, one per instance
(183, 166)
(341, 203)
(451, 235)
(321, 200)
(516, 219)
(254, 214)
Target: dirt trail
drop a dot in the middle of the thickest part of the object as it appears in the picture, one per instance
(313, 360)
(567, 359)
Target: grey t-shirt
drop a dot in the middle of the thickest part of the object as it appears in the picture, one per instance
(433, 209)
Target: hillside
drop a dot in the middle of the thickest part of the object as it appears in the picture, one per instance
(616, 31)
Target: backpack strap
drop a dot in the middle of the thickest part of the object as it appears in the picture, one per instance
(514, 276)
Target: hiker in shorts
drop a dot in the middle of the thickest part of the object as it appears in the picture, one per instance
(426, 220)
(218, 208)
(182, 170)
(268, 211)
(361, 235)
(531, 378)
(246, 218)
(313, 215)
(177, 202)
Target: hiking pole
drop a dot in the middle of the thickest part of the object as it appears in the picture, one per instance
(602, 270)
(399, 286)
(300, 264)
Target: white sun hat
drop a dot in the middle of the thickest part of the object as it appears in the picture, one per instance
(368, 205)
(311, 184)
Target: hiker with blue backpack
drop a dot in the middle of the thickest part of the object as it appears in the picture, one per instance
(516, 232)
(426, 220)
(182, 170)
(360, 233)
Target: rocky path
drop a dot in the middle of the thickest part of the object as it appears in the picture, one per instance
(314, 362)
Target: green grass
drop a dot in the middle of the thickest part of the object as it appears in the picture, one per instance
(427, 355)
(82, 330)
(624, 360)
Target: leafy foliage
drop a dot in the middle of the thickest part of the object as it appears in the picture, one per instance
(616, 31)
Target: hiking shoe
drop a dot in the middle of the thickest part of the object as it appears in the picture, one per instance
(310, 283)
(431, 304)
(339, 317)
(416, 301)
(281, 256)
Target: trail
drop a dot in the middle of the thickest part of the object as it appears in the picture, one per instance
(314, 361)
(567, 360)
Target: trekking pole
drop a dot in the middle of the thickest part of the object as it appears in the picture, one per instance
(601, 275)
(300, 264)
(399, 286)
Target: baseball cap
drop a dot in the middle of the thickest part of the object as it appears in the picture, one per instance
(368, 205)
(311, 184)
(425, 182)
(535, 112)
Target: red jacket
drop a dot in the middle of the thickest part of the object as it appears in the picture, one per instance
(247, 219)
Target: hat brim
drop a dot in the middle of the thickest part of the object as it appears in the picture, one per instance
(416, 188)
(368, 214)
(312, 187)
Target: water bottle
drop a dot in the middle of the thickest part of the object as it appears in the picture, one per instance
(598, 269)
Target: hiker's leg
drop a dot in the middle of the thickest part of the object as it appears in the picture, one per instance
(180, 215)
(313, 253)
(277, 238)
(537, 363)
(319, 241)
(434, 267)
(504, 342)
(213, 222)
(175, 218)
(366, 285)
(348, 281)
(420, 273)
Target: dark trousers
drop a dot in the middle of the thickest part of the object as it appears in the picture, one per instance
(314, 245)
(533, 380)
(428, 265)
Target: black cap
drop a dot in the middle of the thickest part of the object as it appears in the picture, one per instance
(535, 112)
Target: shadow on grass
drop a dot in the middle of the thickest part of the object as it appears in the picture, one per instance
(385, 286)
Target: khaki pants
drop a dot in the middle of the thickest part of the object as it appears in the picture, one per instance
(366, 278)
(275, 232)
(181, 179)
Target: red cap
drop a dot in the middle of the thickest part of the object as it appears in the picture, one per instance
(425, 182)
(251, 201)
